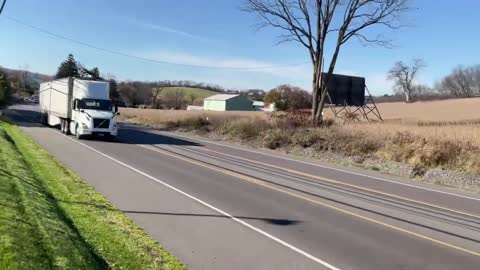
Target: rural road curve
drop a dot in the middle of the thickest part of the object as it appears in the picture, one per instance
(219, 207)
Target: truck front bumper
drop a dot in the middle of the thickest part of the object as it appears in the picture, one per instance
(99, 132)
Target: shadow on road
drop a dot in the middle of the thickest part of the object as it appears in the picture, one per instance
(24, 118)
(272, 221)
(131, 135)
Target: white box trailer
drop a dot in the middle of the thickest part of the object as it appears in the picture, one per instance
(81, 107)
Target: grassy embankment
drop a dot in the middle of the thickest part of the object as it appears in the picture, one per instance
(51, 219)
(442, 134)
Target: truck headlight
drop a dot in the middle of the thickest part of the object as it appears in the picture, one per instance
(84, 126)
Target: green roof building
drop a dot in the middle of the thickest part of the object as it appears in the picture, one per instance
(224, 102)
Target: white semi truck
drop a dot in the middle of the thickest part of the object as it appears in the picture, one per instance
(79, 107)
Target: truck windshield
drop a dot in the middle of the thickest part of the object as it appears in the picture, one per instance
(96, 104)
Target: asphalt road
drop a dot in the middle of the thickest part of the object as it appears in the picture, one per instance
(219, 206)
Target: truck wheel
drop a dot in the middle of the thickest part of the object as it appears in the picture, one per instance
(67, 127)
(77, 133)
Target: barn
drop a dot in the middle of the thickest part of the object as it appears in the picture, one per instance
(224, 102)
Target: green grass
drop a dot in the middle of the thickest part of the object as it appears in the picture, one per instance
(188, 92)
(50, 218)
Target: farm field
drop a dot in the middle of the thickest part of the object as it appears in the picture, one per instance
(433, 134)
(454, 120)
(162, 117)
(453, 111)
(457, 119)
(196, 93)
(443, 110)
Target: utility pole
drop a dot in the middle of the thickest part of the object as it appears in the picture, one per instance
(24, 82)
(3, 5)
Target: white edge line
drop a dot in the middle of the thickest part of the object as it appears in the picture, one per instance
(304, 253)
(321, 166)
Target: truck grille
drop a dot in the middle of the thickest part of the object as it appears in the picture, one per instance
(101, 123)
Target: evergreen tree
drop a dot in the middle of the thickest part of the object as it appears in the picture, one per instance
(68, 68)
(5, 90)
(114, 95)
(95, 74)
(89, 74)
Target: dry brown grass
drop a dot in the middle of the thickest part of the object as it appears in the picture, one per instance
(426, 134)
(164, 117)
(458, 133)
(444, 110)
(453, 120)
(447, 120)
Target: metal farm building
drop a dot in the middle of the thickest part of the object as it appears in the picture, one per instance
(223, 102)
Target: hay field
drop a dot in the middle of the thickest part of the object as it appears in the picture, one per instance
(453, 120)
(163, 117)
(443, 110)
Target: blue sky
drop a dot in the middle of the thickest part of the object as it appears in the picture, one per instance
(218, 33)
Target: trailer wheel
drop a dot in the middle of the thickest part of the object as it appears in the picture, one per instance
(64, 127)
(67, 127)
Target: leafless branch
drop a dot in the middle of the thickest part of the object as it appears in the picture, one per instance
(312, 22)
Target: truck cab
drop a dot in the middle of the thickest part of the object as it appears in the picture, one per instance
(93, 113)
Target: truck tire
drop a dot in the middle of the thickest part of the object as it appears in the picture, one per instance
(65, 127)
(77, 134)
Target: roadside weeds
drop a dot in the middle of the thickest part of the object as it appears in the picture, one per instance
(446, 162)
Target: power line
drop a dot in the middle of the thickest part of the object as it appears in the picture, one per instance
(3, 5)
(144, 58)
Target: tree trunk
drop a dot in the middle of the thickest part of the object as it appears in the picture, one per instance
(324, 81)
(321, 105)
(314, 95)
(407, 97)
(316, 92)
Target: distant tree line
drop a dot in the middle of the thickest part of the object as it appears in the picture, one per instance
(462, 82)
(192, 84)
(23, 82)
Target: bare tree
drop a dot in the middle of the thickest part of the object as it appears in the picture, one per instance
(192, 97)
(175, 100)
(314, 23)
(462, 82)
(155, 94)
(404, 75)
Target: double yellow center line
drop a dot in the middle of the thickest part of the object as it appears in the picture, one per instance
(347, 212)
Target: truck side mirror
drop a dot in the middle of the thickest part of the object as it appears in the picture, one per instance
(75, 104)
(115, 108)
